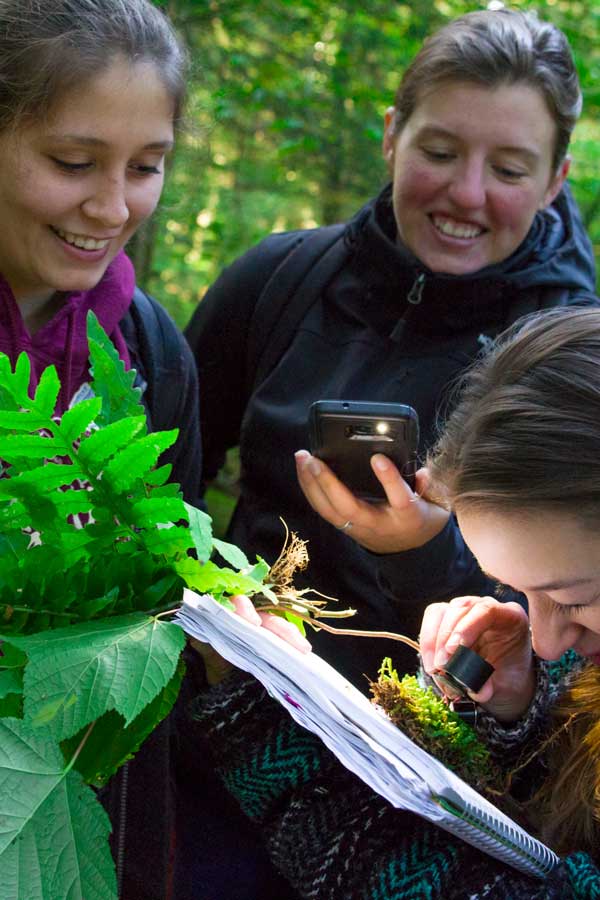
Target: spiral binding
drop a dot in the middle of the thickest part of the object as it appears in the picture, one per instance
(506, 842)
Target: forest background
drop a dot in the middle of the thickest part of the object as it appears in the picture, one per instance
(285, 120)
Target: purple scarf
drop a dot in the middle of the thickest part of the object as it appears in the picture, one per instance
(62, 342)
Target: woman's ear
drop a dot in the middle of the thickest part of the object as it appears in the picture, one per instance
(389, 138)
(556, 183)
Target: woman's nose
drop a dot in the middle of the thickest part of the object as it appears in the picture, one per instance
(107, 205)
(467, 186)
(550, 636)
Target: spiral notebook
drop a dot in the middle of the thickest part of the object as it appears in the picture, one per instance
(362, 737)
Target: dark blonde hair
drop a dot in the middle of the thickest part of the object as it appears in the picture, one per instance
(525, 436)
(493, 48)
(48, 47)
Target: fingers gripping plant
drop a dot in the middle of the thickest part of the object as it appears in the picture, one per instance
(95, 548)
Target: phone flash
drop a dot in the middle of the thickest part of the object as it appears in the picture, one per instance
(382, 428)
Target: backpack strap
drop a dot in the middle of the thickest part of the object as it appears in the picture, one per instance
(293, 287)
(154, 344)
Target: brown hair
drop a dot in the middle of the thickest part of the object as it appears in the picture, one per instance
(525, 436)
(509, 444)
(498, 47)
(50, 46)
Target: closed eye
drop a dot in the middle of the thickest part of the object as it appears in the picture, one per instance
(568, 608)
(438, 155)
(70, 167)
(146, 170)
(510, 174)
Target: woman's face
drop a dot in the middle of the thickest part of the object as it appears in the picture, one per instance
(470, 168)
(555, 561)
(74, 188)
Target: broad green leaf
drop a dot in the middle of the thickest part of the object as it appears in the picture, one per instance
(78, 673)
(11, 682)
(201, 531)
(54, 835)
(111, 743)
(231, 554)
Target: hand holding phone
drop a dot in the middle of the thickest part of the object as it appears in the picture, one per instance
(346, 434)
(344, 489)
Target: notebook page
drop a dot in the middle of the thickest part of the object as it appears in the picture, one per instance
(361, 737)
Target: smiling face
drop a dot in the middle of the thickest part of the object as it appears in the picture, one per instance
(552, 559)
(470, 168)
(74, 188)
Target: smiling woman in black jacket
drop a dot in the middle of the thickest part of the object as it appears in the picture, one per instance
(477, 228)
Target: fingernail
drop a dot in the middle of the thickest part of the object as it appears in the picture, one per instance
(303, 645)
(302, 457)
(453, 641)
(315, 467)
(381, 463)
(441, 658)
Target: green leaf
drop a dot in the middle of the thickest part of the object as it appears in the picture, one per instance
(46, 393)
(75, 421)
(111, 381)
(11, 682)
(201, 531)
(78, 673)
(152, 511)
(231, 554)
(260, 570)
(210, 579)
(35, 446)
(54, 835)
(131, 463)
(172, 541)
(111, 743)
(97, 448)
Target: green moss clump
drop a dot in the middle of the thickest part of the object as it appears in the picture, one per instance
(429, 722)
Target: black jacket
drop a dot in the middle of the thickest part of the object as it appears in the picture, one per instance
(363, 341)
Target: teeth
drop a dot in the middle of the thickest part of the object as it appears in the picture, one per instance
(454, 229)
(84, 243)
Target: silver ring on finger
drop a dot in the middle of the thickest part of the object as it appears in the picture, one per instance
(345, 527)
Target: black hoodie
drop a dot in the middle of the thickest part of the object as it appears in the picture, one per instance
(364, 340)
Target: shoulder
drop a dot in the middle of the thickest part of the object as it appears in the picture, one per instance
(158, 339)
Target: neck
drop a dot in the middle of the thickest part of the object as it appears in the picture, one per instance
(38, 309)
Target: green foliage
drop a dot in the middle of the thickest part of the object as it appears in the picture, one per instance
(54, 840)
(429, 721)
(286, 121)
(95, 550)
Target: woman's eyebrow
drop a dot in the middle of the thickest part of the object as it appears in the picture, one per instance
(97, 142)
(559, 585)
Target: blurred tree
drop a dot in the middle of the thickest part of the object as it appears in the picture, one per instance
(285, 123)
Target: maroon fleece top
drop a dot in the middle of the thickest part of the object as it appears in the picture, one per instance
(62, 342)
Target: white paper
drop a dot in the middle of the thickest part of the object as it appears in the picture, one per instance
(362, 737)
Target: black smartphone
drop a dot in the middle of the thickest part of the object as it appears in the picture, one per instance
(345, 434)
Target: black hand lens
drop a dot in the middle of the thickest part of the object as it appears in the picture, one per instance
(465, 671)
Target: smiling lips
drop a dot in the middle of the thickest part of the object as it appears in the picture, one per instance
(454, 229)
(81, 241)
